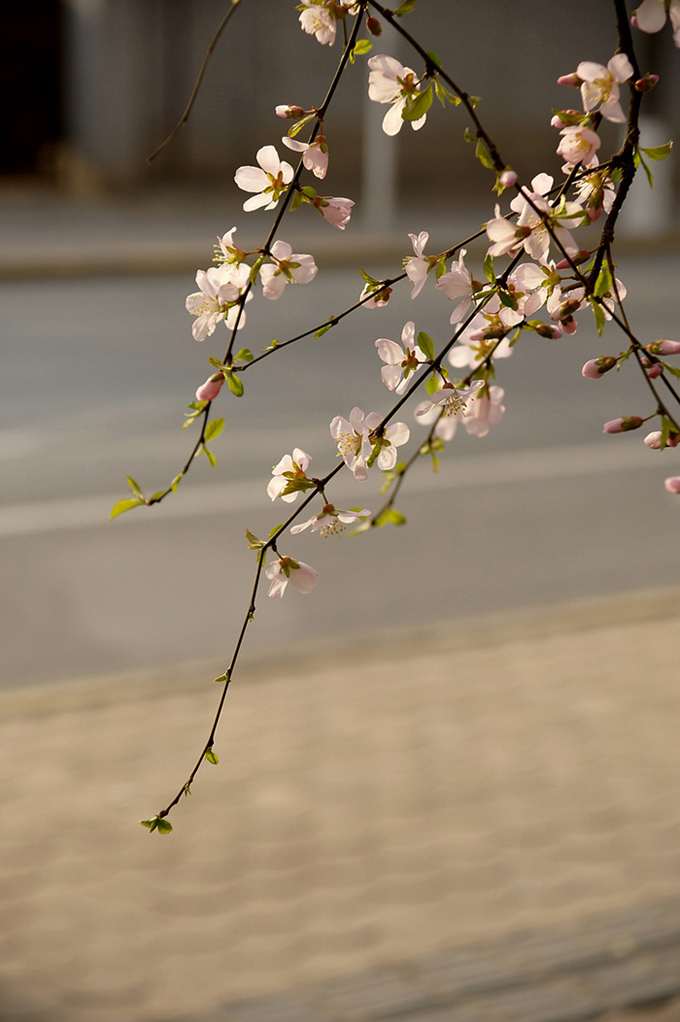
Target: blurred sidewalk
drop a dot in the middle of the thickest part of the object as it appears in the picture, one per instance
(462, 823)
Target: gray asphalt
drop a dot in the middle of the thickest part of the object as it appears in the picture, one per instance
(97, 374)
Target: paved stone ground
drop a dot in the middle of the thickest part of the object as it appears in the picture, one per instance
(390, 825)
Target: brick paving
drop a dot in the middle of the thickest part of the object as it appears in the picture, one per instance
(470, 822)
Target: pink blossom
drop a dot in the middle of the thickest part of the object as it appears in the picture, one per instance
(622, 424)
(418, 268)
(471, 349)
(318, 21)
(672, 484)
(400, 363)
(289, 266)
(354, 442)
(270, 179)
(530, 232)
(288, 469)
(651, 17)
(334, 209)
(578, 144)
(285, 570)
(212, 301)
(456, 284)
(314, 155)
(450, 400)
(331, 521)
(209, 390)
(600, 88)
(391, 82)
(483, 411)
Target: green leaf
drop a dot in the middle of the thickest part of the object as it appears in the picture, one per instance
(598, 313)
(468, 136)
(434, 58)
(604, 281)
(253, 542)
(255, 269)
(157, 823)
(134, 488)
(299, 125)
(426, 345)
(489, 272)
(157, 496)
(213, 429)
(390, 516)
(483, 155)
(440, 268)
(658, 152)
(125, 505)
(371, 281)
(245, 355)
(650, 176)
(673, 370)
(325, 328)
(234, 384)
(296, 201)
(309, 191)
(175, 482)
(362, 46)
(212, 757)
(222, 677)
(209, 455)
(405, 8)
(443, 94)
(419, 106)
(666, 430)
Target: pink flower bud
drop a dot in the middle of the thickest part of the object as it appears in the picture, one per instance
(580, 257)
(622, 424)
(508, 178)
(546, 330)
(646, 83)
(373, 26)
(209, 390)
(292, 112)
(654, 371)
(572, 79)
(664, 348)
(672, 484)
(595, 368)
(634, 21)
(653, 440)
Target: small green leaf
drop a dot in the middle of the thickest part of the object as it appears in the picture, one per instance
(598, 313)
(489, 272)
(468, 136)
(372, 281)
(483, 155)
(175, 482)
(604, 281)
(419, 106)
(245, 355)
(212, 757)
(253, 542)
(658, 152)
(434, 58)
(325, 328)
(234, 384)
(426, 345)
(389, 517)
(673, 370)
(309, 191)
(157, 823)
(222, 677)
(362, 46)
(156, 497)
(213, 429)
(255, 269)
(134, 488)
(641, 162)
(296, 201)
(443, 94)
(440, 268)
(299, 125)
(405, 8)
(209, 455)
(125, 505)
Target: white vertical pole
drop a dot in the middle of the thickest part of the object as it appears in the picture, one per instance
(380, 157)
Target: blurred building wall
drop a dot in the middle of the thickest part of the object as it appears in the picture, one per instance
(129, 67)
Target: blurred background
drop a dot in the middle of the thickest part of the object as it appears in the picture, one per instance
(468, 730)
